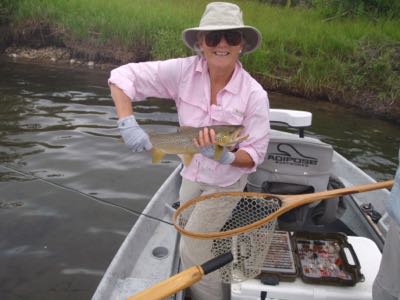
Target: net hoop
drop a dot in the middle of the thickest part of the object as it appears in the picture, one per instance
(229, 233)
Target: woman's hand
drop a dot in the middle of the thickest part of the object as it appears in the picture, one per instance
(206, 143)
(134, 137)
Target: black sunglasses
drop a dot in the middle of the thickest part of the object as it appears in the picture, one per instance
(232, 37)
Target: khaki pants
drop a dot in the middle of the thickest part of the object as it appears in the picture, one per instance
(387, 284)
(195, 252)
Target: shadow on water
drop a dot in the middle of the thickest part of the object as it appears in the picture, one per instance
(59, 124)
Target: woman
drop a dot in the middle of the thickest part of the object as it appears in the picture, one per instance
(210, 88)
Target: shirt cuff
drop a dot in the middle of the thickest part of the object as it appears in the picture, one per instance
(123, 83)
(127, 121)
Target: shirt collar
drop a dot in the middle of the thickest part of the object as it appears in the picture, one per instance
(234, 84)
(201, 64)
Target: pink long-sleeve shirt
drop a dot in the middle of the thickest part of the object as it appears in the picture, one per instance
(186, 80)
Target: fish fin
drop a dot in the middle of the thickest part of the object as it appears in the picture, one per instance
(157, 155)
(242, 138)
(187, 159)
(218, 152)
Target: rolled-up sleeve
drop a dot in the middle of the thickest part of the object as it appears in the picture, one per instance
(256, 124)
(157, 79)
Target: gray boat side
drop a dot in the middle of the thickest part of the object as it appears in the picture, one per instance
(149, 252)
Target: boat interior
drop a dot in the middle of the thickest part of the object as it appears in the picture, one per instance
(297, 164)
(294, 164)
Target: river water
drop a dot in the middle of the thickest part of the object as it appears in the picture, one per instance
(70, 190)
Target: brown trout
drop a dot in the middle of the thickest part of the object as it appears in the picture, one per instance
(181, 141)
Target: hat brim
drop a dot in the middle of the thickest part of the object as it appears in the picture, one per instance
(251, 35)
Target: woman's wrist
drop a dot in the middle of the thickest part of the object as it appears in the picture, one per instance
(227, 158)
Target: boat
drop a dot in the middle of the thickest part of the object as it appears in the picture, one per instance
(295, 164)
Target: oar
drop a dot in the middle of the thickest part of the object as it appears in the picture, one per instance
(286, 203)
(182, 280)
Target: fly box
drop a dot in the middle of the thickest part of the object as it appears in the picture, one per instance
(319, 258)
(281, 262)
(326, 258)
(292, 258)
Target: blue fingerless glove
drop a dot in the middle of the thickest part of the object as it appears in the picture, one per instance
(134, 137)
(226, 158)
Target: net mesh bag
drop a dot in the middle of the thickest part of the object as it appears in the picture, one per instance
(215, 224)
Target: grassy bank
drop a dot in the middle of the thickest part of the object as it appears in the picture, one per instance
(347, 60)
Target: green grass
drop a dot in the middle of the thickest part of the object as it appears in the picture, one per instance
(301, 51)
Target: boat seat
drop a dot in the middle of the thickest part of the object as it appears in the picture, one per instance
(291, 159)
(295, 165)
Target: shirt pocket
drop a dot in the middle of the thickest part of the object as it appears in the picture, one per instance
(226, 116)
(192, 113)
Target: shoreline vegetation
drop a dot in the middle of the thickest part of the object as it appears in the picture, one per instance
(349, 55)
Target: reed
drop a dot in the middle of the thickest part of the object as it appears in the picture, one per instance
(302, 51)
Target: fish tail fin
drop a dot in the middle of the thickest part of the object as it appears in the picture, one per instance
(218, 152)
(187, 159)
(157, 155)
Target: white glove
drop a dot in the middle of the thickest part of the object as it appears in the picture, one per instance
(134, 137)
(227, 157)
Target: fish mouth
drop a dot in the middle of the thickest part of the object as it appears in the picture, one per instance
(235, 138)
(238, 139)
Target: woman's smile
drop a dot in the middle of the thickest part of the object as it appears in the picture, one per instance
(221, 53)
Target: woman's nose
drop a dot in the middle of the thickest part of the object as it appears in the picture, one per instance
(223, 42)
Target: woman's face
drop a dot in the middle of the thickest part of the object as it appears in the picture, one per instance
(221, 48)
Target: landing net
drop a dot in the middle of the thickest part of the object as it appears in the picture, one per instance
(218, 223)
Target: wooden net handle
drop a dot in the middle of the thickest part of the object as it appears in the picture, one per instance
(289, 202)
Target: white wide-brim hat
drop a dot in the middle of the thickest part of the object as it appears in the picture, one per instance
(223, 16)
